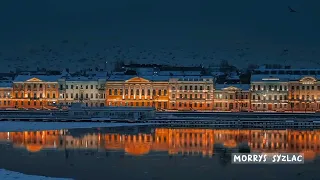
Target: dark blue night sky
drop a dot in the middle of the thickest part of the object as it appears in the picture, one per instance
(242, 32)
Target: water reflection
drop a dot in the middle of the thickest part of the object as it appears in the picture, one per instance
(172, 141)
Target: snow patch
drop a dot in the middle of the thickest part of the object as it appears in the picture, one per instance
(8, 175)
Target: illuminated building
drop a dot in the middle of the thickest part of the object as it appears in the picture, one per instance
(304, 93)
(89, 91)
(35, 91)
(191, 93)
(131, 90)
(232, 97)
(269, 92)
(6, 95)
(169, 88)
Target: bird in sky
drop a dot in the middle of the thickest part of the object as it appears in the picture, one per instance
(291, 10)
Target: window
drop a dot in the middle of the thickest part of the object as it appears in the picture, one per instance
(126, 92)
(71, 86)
(110, 91)
(116, 92)
(87, 87)
(153, 92)
(91, 96)
(54, 95)
(71, 95)
(201, 88)
(185, 87)
(159, 92)
(149, 92)
(200, 95)
(190, 87)
(91, 86)
(121, 92)
(131, 92)
(40, 95)
(34, 95)
(195, 87)
(77, 96)
(142, 92)
(173, 96)
(165, 92)
(137, 92)
(180, 95)
(208, 88)
(87, 95)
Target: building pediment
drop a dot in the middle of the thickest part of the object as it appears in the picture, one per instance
(138, 80)
(231, 88)
(34, 80)
(308, 80)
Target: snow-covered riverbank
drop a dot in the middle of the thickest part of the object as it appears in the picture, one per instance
(8, 175)
(6, 126)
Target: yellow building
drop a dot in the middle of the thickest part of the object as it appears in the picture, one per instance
(35, 91)
(232, 97)
(132, 90)
(191, 93)
(6, 95)
(304, 93)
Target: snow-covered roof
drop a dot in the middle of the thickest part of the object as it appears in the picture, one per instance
(270, 78)
(280, 77)
(116, 77)
(45, 78)
(84, 78)
(244, 87)
(179, 73)
(5, 85)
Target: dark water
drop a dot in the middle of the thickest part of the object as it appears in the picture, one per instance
(155, 153)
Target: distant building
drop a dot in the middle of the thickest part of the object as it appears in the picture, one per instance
(35, 91)
(269, 92)
(191, 93)
(89, 91)
(6, 94)
(163, 87)
(232, 97)
(133, 90)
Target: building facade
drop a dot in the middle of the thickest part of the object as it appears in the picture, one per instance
(269, 93)
(304, 93)
(131, 90)
(232, 97)
(86, 90)
(191, 93)
(6, 95)
(35, 91)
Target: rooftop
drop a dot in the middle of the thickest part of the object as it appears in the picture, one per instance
(45, 78)
(245, 87)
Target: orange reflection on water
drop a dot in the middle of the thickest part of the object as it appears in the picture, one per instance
(171, 140)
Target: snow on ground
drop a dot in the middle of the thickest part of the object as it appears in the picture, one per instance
(8, 175)
(6, 126)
